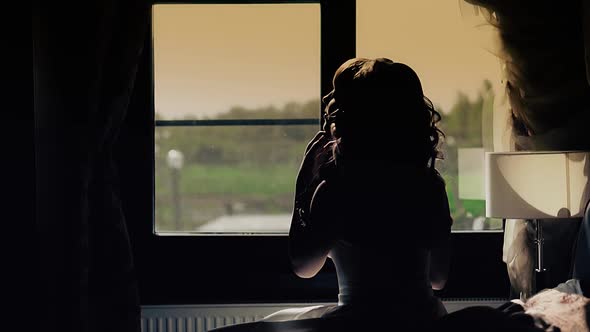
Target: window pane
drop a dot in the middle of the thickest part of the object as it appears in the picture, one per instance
(458, 74)
(211, 59)
(232, 62)
(232, 179)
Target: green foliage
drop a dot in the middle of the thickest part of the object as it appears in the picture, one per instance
(245, 169)
(255, 166)
(463, 127)
(233, 145)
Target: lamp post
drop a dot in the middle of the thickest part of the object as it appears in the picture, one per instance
(175, 160)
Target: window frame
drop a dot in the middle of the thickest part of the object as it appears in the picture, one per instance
(188, 269)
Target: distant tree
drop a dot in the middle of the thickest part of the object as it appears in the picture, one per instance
(234, 144)
(271, 145)
(463, 125)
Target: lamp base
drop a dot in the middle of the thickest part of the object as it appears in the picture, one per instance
(540, 280)
(539, 241)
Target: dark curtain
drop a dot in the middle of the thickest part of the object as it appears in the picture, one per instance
(545, 45)
(85, 57)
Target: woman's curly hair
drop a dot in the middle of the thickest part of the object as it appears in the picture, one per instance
(369, 92)
(435, 132)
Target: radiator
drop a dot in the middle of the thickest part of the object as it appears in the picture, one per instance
(202, 318)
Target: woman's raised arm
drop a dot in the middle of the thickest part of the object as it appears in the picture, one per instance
(310, 244)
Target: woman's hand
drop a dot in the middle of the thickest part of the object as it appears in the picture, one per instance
(308, 166)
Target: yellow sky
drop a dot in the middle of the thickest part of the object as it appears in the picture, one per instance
(448, 47)
(211, 57)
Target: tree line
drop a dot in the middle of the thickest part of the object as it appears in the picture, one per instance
(257, 146)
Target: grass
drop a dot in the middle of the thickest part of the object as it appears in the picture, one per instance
(243, 179)
(265, 188)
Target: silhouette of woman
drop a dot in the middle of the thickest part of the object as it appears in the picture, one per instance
(369, 198)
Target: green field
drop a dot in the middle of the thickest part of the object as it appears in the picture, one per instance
(210, 191)
(264, 181)
(251, 169)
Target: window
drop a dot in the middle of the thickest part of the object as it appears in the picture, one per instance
(458, 74)
(237, 97)
(179, 269)
(237, 102)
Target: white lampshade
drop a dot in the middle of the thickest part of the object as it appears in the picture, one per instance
(536, 185)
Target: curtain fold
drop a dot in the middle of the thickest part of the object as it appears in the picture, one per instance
(85, 60)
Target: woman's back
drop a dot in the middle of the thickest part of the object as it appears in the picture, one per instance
(379, 212)
(384, 205)
(385, 217)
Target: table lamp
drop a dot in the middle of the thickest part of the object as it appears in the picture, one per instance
(536, 185)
